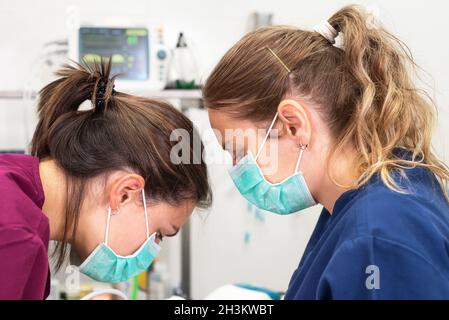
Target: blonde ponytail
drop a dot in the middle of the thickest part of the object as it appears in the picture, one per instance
(390, 111)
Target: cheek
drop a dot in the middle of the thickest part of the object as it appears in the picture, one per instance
(155, 223)
(90, 233)
(184, 217)
(179, 216)
(278, 162)
(126, 233)
(217, 126)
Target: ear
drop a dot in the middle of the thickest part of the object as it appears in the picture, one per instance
(124, 189)
(295, 121)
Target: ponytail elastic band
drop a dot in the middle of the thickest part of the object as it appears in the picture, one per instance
(99, 95)
(326, 30)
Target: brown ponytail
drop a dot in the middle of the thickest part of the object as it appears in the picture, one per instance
(363, 88)
(120, 131)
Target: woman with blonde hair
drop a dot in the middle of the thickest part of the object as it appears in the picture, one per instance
(354, 135)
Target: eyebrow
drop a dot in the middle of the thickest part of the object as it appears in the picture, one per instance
(173, 234)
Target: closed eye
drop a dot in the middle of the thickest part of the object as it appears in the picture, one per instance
(176, 230)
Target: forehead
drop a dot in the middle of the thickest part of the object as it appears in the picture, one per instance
(221, 120)
(232, 132)
(177, 214)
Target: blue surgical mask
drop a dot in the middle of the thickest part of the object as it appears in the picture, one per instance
(289, 196)
(104, 265)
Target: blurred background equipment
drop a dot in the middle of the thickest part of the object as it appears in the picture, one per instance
(183, 69)
(257, 20)
(139, 56)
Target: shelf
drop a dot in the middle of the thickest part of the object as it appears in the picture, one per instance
(171, 94)
(163, 94)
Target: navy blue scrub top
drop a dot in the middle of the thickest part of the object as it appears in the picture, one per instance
(379, 244)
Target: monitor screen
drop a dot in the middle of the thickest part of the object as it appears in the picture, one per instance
(128, 48)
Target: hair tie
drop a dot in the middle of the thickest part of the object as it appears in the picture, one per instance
(327, 31)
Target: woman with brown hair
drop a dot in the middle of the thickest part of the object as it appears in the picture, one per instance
(101, 180)
(353, 133)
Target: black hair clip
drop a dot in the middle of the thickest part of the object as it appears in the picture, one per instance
(99, 96)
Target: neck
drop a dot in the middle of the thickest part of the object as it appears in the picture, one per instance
(53, 182)
(329, 197)
(343, 172)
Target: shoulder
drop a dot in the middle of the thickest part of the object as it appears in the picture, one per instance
(21, 193)
(19, 169)
(418, 219)
(14, 236)
(21, 243)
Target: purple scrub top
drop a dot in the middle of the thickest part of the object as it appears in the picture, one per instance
(24, 230)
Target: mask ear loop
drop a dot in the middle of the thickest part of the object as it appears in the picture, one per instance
(266, 136)
(107, 226)
(146, 213)
(109, 219)
(302, 148)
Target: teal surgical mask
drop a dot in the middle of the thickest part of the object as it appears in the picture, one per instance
(289, 196)
(104, 265)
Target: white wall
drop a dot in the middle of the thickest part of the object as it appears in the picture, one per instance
(220, 256)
